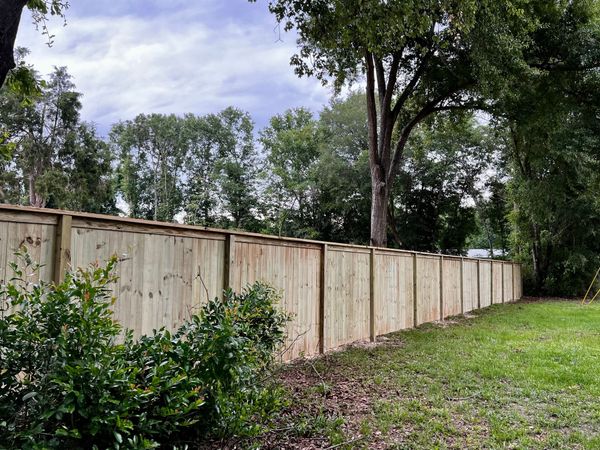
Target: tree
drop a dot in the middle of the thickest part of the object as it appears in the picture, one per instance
(292, 144)
(151, 152)
(220, 179)
(433, 202)
(205, 136)
(39, 131)
(492, 215)
(237, 169)
(555, 185)
(418, 59)
(10, 16)
(55, 160)
(550, 117)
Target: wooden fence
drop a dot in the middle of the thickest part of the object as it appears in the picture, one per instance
(336, 293)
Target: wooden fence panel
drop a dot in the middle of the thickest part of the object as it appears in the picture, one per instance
(497, 282)
(38, 239)
(470, 286)
(295, 271)
(485, 279)
(508, 283)
(451, 287)
(518, 282)
(184, 273)
(336, 293)
(347, 294)
(428, 289)
(394, 292)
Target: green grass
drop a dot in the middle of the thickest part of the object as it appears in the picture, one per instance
(523, 375)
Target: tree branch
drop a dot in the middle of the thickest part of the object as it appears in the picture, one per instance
(371, 110)
(10, 16)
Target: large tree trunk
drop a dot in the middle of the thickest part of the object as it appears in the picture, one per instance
(380, 195)
(10, 16)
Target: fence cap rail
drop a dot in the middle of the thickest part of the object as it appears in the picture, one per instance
(180, 226)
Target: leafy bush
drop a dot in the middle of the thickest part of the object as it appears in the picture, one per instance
(70, 376)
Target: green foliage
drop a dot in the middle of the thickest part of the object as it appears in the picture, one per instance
(433, 202)
(71, 376)
(55, 160)
(151, 150)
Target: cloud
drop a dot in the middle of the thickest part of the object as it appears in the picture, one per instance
(174, 57)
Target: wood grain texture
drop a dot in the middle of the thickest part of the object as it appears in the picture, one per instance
(470, 288)
(295, 272)
(393, 292)
(452, 287)
(428, 289)
(497, 282)
(508, 283)
(162, 279)
(485, 279)
(336, 293)
(348, 288)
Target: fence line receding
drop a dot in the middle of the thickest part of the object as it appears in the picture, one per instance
(336, 293)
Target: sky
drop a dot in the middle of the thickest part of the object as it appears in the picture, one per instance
(173, 56)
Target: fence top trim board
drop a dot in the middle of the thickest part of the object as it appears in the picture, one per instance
(49, 216)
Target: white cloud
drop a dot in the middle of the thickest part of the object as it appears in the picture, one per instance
(200, 58)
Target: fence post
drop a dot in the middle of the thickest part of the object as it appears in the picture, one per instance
(415, 322)
(372, 322)
(62, 248)
(478, 284)
(512, 277)
(322, 295)
(462, 286)
(502, 276)
(491, 283)
(229, 261)
(441, 287)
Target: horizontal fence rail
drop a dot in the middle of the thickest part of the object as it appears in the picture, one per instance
(336, 293)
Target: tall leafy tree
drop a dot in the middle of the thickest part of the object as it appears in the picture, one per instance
(205, 136)
(56, 160)
(220, 179)
(237, 169)
(417, 58)
(292, 144)
(555, 186)
(432, 205)
(151, 152)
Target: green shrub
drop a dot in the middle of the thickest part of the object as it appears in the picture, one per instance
(71, 377)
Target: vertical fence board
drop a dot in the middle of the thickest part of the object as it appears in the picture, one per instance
(497, 282)
(336, 294)
(394, 293)
(428, 289)
(295, 272)
(452, 286)
(470, 286)
(485, 280)
(507, 280)
(348, 283)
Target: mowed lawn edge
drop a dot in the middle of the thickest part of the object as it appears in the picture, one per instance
(519, 375)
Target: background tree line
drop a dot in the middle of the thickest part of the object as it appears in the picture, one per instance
(525, 184)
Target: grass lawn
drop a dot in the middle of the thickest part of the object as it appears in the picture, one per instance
(523, 375)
